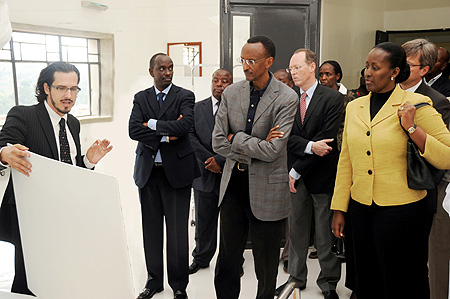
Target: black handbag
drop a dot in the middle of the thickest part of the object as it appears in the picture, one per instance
(338, 248)
(421, 175)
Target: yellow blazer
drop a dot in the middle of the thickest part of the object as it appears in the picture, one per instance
(372, 163)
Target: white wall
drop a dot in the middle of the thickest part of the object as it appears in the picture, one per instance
(348, 33)
(141, 28)
(418, 19)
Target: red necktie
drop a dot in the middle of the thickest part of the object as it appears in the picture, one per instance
(303, 106)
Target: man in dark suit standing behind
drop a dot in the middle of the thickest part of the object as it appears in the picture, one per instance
(421, 56)
(165, 167)
(42, 129)
(435, 77)
(206, 187)
(312, 161)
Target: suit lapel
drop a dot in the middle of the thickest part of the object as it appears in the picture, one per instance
(266, 100)
(71, 123)
(364, 111)
(170, 97)
(390, 107)
(316, 99)
(152, 102)
(245, 98)
(208, 111)
(47, 127)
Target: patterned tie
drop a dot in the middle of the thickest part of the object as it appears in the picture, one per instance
(303, 106)
(160, 97)
(64, 150)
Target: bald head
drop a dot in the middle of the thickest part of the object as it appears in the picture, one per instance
(220, 80)
(283, 76)
(442, 61)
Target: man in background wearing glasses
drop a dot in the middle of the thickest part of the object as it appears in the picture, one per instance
(42, 129)
(252, 125)
(312, 161)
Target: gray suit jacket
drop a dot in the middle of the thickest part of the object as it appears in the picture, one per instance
(268, 173)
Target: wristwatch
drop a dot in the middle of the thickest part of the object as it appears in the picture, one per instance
(412, 129)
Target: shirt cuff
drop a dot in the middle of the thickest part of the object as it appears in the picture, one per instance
(294, 174)
(1, 164)
(165, 139)
(88, 164)
(308, 149)
(152, 124)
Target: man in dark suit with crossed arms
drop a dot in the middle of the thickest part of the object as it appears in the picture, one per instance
(312, 162)
(42, 129)
(206, 187)
(165, 167)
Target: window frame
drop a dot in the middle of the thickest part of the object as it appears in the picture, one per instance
(105, 61)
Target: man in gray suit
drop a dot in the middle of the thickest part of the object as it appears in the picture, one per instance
(252, 125)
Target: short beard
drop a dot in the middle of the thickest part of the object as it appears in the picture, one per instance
(54, 105)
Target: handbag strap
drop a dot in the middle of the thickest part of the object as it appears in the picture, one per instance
(418, 105)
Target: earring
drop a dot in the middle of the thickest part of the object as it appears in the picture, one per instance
(392, 78)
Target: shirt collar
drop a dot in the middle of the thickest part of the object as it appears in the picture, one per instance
(54, 117)
(413, 88)
(214, 100)
(429, 83)
(311, 90)
(165, 90)
(261, 91)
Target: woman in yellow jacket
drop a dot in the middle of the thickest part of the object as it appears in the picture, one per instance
(388, 219)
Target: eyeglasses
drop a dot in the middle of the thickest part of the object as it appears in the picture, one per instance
(411, 65)
(249, 62)
(294, 68)
(63, 90)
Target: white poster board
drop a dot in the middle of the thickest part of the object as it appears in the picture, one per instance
(72, 231)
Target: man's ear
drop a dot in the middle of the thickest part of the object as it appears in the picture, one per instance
(46, 88)
(150, 70)
(424, 70)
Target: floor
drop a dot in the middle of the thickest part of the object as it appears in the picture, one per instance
(201, 284)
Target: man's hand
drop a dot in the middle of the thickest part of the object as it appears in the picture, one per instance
(273, 134)
(212, 165)
(321, 148)
(292, 184)
(230, 136)
(98, 150)
(14, 156)
(173, 138)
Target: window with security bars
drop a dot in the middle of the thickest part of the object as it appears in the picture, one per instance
(22, 59)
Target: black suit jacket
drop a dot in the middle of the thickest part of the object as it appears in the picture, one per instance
(322, 121)
(442, 85)
(180, 165)
(201, 139)
(31, 126)
(440, 102)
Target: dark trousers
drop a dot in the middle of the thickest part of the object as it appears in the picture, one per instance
(439, 249)
(390, 250)
(236, 222)
(206, 216)
(20, 284)
(159, 202)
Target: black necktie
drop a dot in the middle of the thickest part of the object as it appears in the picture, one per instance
(217, 109)
(64, 149)
(159, 98)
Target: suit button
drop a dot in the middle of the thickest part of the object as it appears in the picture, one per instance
(370, 172)
(368, 153)
(153, 156)
(368, 133)
(2, 173)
